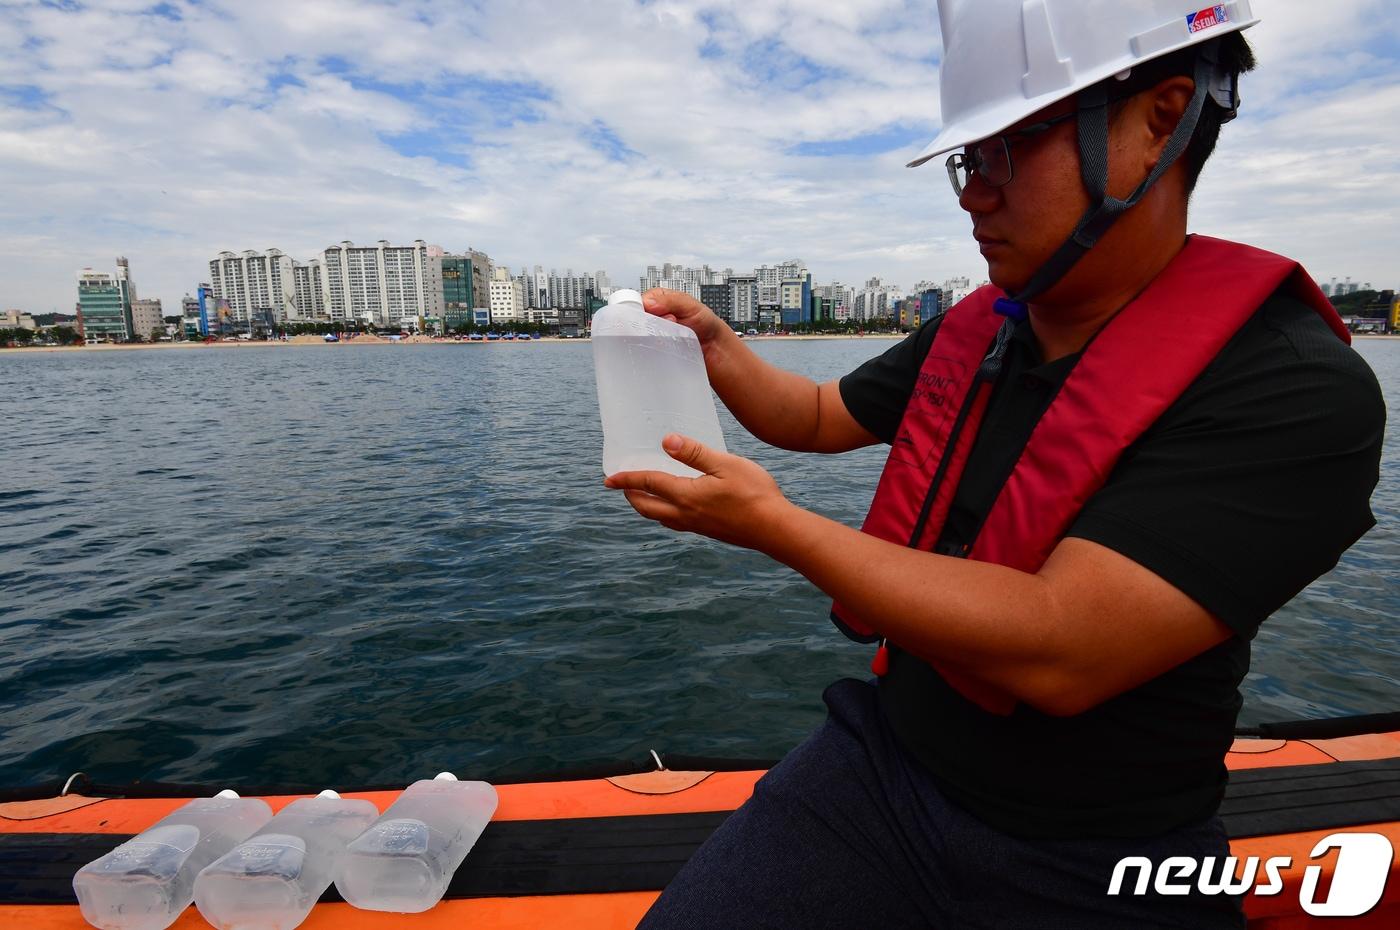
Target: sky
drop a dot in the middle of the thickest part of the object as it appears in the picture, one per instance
(599, 135)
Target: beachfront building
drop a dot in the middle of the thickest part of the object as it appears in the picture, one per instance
(189, 317)
(716, 297)
(743, 299)
(258, 286)
(103, 313)
(383, 284)
(507, 301)
(795, 297)
(546, 316)
(930, 303)
(18, 319)
(465, 286)
(308, 291)
(840, 297)
(146, 318)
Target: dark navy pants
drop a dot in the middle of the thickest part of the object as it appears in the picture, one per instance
(849, 831)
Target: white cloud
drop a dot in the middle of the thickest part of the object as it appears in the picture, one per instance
(263, 123)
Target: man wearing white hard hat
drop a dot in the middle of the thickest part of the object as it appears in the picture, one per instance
(1106, 470)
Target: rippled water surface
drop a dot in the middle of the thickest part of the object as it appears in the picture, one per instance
(342, 564)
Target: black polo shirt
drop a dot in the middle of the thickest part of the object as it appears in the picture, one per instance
(1244, 491)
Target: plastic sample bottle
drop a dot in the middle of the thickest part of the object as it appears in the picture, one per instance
(403, 863)
(146, 882)
(273, 879)
(651, 381)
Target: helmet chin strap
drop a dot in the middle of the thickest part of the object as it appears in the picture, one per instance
(1093, 169)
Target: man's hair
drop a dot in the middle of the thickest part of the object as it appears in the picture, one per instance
(1236, 58)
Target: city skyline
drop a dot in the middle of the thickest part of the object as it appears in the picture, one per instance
(719, 133)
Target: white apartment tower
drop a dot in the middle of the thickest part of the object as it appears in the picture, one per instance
(255, 284)
(382, 284)
(309, 295)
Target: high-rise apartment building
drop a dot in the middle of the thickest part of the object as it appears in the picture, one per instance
(309, 291)
(257, 285)
(679, 278)
(383, 284)
(555, 291)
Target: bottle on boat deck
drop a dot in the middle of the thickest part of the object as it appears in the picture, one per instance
(273, 879)
(146, 882)
(404, 862)
(651, 381)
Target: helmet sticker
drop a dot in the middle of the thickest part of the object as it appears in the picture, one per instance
(1210, 17)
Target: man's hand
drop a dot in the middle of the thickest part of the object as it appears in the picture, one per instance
(734, 501)
(680, 307)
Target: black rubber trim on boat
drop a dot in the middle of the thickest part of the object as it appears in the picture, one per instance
(1361, 725)
(1297, 798)
(513, 857)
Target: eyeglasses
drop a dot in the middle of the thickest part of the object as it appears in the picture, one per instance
(990, 159)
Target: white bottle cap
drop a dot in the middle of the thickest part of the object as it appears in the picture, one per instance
(445, 776)
(624, 295)
(227, 793)
(328, 793)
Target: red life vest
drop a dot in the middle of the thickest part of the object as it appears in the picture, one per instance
(1128, 375)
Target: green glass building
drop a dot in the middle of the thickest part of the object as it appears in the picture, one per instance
(105, 311)
(456, 291)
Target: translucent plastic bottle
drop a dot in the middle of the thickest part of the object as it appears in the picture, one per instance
(146, 882)
(404, 862)
(274, 878)
(651, 381)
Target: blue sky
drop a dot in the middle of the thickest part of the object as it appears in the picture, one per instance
(609, 135)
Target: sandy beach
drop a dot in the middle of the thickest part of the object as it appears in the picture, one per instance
(299, 342)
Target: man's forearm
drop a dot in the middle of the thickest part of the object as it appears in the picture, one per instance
(777, 406)
(989, 622)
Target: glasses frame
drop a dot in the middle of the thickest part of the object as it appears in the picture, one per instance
(971, 160)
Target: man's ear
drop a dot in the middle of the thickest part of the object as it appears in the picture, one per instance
(1166, 103)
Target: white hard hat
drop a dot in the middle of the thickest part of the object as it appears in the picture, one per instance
(1006, 59)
